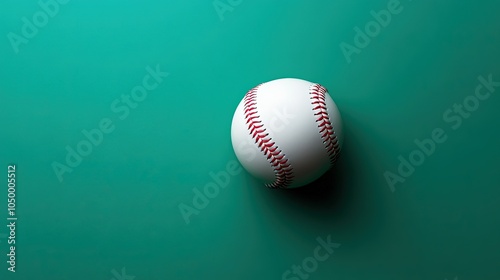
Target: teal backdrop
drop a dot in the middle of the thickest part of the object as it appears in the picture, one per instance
(117, 116)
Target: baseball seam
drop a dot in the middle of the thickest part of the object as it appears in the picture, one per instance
(328, 135)
(281, 167)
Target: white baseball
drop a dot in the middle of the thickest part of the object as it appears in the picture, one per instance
(287, 132)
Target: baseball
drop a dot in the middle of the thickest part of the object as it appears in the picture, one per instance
(287, 132)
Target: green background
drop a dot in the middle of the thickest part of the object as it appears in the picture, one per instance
(119, 208)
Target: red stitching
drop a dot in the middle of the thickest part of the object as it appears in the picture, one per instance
(282, 168)
(317, 93)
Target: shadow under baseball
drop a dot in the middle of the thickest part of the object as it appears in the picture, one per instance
(348, 200)
(327, 192)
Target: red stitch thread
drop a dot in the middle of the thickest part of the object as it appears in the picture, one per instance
(282, 168)
(326, 130)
